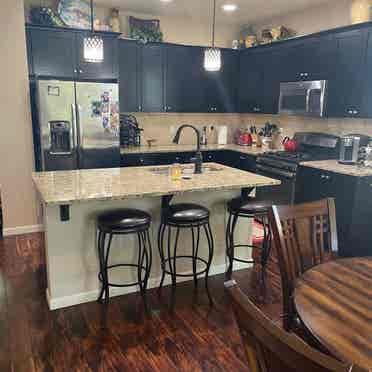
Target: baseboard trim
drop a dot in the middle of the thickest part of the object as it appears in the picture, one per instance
(80, 298)
(21, 230)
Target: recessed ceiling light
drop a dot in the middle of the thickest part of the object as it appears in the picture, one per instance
(166, 1)
(229, 7)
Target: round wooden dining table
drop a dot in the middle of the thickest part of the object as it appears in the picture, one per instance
(334, 302)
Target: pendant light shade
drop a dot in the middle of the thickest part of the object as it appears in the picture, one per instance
(93, 44)
(93, 49)
(212, 59)
(212, 56)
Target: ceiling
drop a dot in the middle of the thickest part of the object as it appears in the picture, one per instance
(250, 11)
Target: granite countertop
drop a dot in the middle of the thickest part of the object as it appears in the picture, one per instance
(336, 167)
(191, 148)
(67, 187)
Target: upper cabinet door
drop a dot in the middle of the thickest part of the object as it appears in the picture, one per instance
(345, 95)
(105, 70)
(129, 76)
(308, 59)
(184, 80)
(222, 85)
(367, 103)
(53, 53)
(152, 89)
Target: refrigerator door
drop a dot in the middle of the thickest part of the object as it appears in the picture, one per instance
(57, 122)
(98, 125)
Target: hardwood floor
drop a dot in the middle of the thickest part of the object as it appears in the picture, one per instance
(91, 337)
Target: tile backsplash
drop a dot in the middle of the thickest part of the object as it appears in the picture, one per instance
(162, 127)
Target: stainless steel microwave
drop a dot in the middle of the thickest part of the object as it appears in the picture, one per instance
(303, 98)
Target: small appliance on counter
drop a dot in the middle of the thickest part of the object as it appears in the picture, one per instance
(243, 137)
(350, 146)
(222, 135)
(130, 132)
(290, 145)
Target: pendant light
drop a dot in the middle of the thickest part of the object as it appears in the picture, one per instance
(212, 56)
(93, 44)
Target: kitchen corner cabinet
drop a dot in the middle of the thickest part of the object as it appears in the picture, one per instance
(259, 80)
(59, 53)
(221, 86)
(353, 198)
(185, 88)
(347, 80)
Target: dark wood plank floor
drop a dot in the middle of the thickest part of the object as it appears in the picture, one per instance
(91, 337)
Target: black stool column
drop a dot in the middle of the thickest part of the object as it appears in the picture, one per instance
(124, 222)
(175, 218)
(251, 209)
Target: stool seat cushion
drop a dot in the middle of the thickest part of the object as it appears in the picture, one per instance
(186, 213)
(249, 206)
(123, 219)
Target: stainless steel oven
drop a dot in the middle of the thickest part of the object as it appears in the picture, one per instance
(303, 98)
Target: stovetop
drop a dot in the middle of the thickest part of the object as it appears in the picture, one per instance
(296, 157)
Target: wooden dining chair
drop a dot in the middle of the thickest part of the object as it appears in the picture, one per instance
(270, 348)
(304, 236)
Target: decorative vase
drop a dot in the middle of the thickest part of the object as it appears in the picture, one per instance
(360, 11)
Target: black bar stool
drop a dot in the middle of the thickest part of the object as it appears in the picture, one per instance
(124, 222)
(185, 216)
(247, 207)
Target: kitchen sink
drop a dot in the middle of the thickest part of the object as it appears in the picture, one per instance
(186, 169)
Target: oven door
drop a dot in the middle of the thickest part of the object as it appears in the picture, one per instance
(282, 194)
(303, 98)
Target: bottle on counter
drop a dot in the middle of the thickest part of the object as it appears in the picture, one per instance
(204, 140)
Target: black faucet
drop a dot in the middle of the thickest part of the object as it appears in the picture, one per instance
(198, 159)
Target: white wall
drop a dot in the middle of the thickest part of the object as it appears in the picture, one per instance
(329, 15)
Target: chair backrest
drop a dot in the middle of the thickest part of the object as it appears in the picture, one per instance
(305, 235)
(271, 349)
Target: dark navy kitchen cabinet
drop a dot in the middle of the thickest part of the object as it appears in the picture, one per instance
(221, 86)
(259, 80)
(308, 59)
(59, 53)
(129, 76)
(346, 83)
(105, 70)
(53, 53)
(353, 205)
(368, 76)
(185, 87)
(152, 78)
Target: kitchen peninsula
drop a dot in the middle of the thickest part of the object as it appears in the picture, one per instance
(73, 199)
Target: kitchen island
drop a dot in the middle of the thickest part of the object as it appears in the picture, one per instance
(73, 199)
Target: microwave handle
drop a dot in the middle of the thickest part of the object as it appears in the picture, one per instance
(308, 95)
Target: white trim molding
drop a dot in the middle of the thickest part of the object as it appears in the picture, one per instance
(80, 298)
(21, 230)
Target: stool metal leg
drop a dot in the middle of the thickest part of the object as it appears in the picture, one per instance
(174, 270)
(101, 239)
(208, 232)
(233, 219)
(107, 286)
(195, 250)
(161, 233)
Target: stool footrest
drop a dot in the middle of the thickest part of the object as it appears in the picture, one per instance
(143, 268)
(185, 257)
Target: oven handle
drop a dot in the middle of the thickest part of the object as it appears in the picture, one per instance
(276, 172)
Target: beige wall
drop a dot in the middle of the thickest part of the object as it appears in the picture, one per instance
(332, 14)
(16, 148)
(180, 30)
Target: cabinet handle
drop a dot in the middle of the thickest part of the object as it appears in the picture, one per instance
(80, 71)
(243, 158)
(355, 112)
(139, 108)
(75, 71)
(325, 177)
(169, 108)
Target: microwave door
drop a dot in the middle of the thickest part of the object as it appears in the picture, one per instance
(293, 100)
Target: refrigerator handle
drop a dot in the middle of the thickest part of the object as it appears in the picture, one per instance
(74, 127)
(79, 116)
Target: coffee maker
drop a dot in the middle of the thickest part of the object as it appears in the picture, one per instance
(350, 146)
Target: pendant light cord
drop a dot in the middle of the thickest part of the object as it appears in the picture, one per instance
(91, 15)
(214, 22)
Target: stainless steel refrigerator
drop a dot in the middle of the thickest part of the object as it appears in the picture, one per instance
(78, 125)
